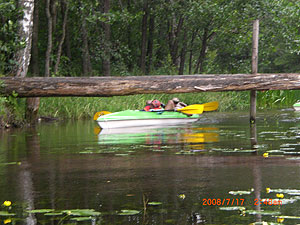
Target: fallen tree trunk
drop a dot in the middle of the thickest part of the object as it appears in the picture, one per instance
(117, 86)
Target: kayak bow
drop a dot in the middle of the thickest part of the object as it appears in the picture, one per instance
(137, 118)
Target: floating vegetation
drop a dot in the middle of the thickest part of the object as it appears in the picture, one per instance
(236, 150)
(5, 213)
(286, 191)
(154, 203)
(265, 223)
(291, 153)
(128, 212)
(289, 217)
(54, 214)
(121, 154)
(275, 151)
(240, 192)
(262, 212)
(40, 210)
(185, 153)
(233, 208)
(294, 158)
(78, 219)
(82, 212)
(10, 163)
(259, 146)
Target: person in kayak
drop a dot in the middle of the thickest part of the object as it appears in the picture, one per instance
(154, 105)
(174, 104)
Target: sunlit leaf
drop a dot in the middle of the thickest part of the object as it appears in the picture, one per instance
(262, 212)
(40, 211)
(240, 192)
(82, 212)
(290, 217)
(232, 208)
(53, 214)
(81, 218)
(5, 213)
(154, 203)
(128, 212)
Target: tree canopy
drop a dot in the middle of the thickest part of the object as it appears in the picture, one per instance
(134, 37)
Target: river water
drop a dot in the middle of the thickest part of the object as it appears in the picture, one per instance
(219, 170)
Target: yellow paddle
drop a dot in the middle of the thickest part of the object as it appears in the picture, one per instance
(101, 113)
(210, 106)
(199, 108)
(192, 109)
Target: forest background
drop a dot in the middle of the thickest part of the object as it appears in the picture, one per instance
(148, 37)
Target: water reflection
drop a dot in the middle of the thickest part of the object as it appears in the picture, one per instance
(54, 173)
(195, 137)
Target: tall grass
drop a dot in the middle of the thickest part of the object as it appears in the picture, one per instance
(79, 107)
(83, 107)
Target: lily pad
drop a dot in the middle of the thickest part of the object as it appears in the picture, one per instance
(54, 214)
(82, 212)
(289, 217)
(262, 212)
(285, 191)
(81, 218)
(5, 213)
(121, 154)
(128, 212)
(10, 163)
(154, 203)
(240, 192)
(40, 210)
(240, 208)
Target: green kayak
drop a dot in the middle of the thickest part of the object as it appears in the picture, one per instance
(297, 106)
(137, 118)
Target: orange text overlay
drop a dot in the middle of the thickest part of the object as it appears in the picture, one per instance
(267, 201)
(224, 201)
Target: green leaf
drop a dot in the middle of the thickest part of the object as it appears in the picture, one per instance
(82, 212)
(128, 212)
(40, 210)
(5, 213)
(232, 208)
(81, 218)
(154, 203)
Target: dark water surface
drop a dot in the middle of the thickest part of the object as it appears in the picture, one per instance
(175, 175)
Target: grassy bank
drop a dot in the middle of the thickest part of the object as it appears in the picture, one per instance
(76, 108)
(79, 107)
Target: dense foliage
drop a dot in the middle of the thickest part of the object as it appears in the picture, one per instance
(159, 36)
(135, 37)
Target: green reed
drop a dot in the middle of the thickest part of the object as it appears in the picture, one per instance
(86, 107)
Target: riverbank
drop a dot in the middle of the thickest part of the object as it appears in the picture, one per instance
(79, 107)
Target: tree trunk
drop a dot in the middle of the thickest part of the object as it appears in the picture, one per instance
(174, 48)
(183, 54)
(32, 104)
(106, 42)
(49, 45)
(191, 50)
(35, 38)
(129, 41)
(202, 52)
(86, 59)
(25, 30)
(144, 38)
(131, 85)
(59, 50)
(32, 109)
(150, 44)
